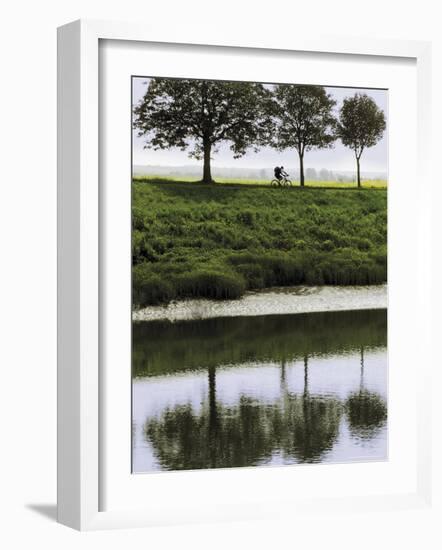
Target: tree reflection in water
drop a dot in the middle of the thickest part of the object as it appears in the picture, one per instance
(300, 423)
(218, 437)
(310, 423)
(366, 411)
(301, 427)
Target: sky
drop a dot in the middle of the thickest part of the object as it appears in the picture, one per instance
(339, 158)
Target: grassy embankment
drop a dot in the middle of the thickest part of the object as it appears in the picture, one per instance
(217, 241)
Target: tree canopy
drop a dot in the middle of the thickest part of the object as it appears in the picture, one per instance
(303, 119)
(197, 115)
(361, 125)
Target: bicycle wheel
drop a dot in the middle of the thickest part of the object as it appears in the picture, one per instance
(274, 183)
(288, 182)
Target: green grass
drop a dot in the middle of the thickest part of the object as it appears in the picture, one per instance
(217, 241)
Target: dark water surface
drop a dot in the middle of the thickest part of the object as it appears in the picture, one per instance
(267, 390)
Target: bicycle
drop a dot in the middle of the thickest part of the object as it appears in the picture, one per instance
(283, 182)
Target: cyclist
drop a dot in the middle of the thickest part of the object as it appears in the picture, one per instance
(280, 173)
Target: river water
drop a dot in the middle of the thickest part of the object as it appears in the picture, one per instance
(262, 390)
(281, 301)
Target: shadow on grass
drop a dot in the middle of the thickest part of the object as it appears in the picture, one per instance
(165, 183)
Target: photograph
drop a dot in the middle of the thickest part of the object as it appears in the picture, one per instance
(259, 274)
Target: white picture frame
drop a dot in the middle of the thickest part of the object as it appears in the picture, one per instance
(79, 275)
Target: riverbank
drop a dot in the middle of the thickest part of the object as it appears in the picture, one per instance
(193, 241)
(276, 301)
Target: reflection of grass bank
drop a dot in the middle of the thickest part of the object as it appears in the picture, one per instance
(161, 347)
(217, 241)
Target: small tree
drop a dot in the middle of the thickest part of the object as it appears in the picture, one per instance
(198, 115)
(303, 120)
(361, 125)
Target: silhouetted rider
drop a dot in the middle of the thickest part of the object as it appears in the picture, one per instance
(280, 173)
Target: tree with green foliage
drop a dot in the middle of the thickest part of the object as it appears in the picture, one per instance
(198, 115)
(361, 125)
(303, 119)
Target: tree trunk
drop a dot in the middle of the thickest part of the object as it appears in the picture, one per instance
(207, 175)
(301, 170)
(358, 171)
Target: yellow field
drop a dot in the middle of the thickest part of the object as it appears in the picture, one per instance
(367, 184)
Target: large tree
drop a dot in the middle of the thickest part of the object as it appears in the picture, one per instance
(361, 125)
(303, 118)
(197, 115)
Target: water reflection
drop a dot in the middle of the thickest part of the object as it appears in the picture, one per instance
(305, 397)
(310, 423)
(367, 411)
(218, 437)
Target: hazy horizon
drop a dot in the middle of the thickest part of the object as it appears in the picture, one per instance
(337, 159)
